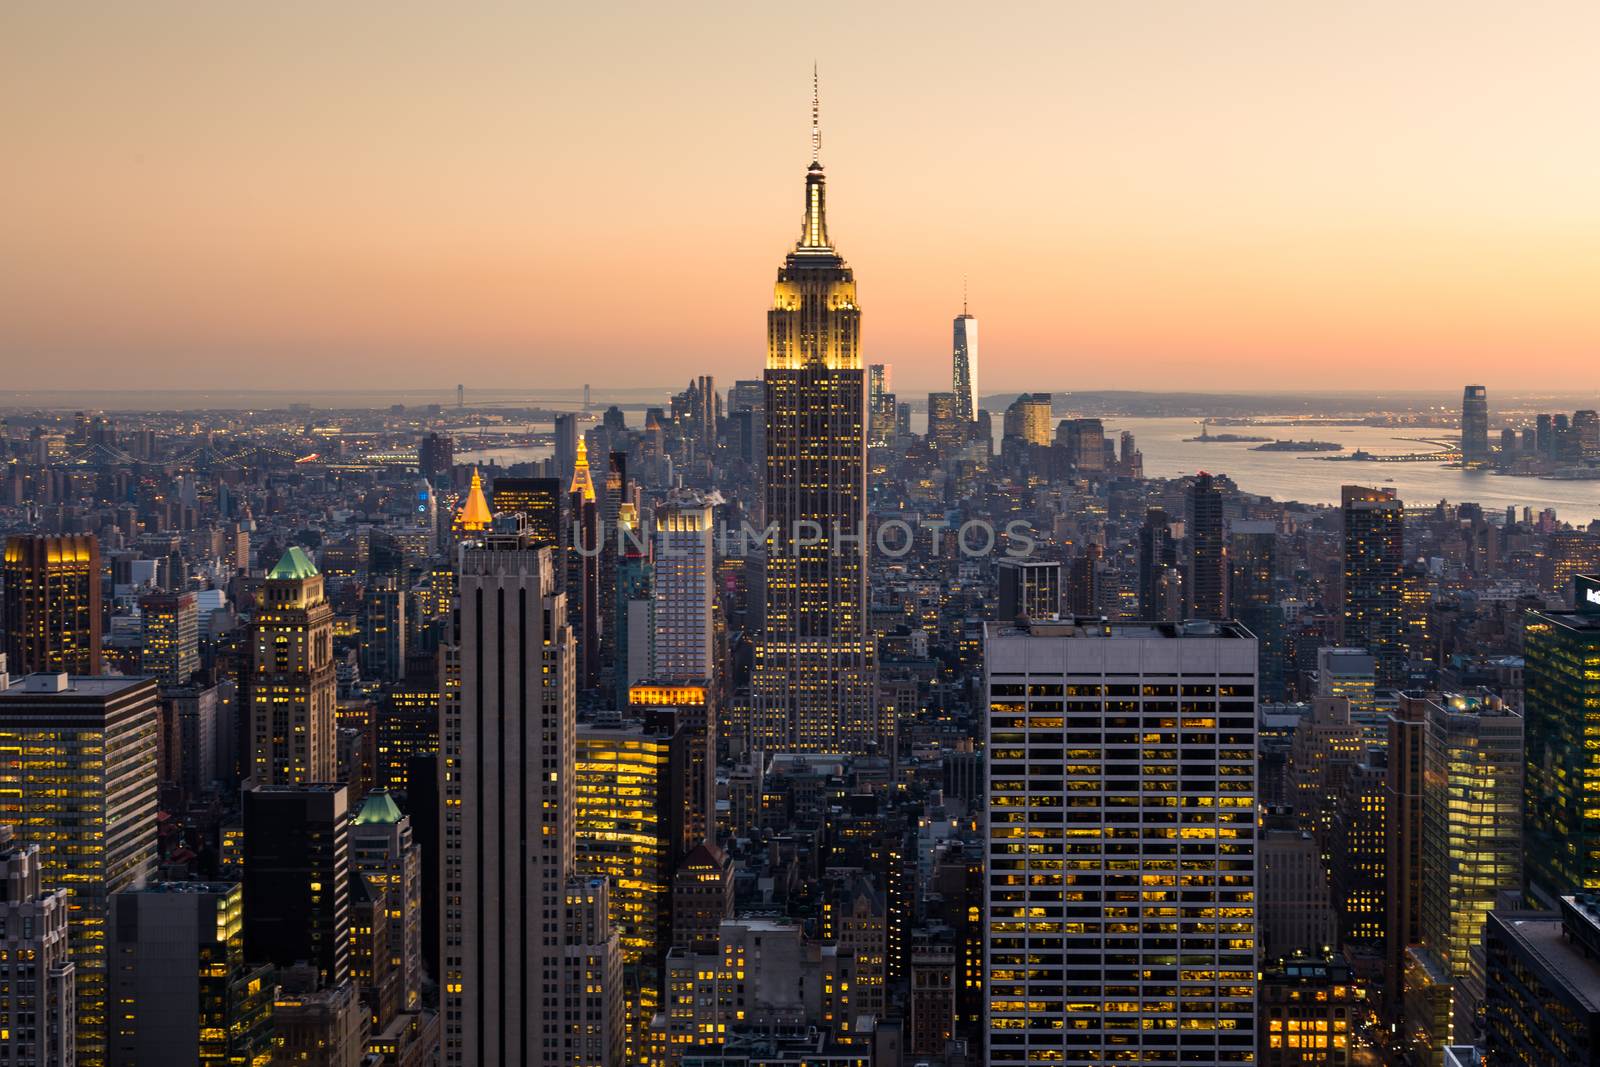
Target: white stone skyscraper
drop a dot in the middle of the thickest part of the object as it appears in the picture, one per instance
(964, 364)
(1120, 908)
(514, 981)
(685, 591)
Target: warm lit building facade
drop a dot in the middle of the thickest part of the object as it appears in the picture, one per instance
(813, 680)
(170, 646)
(52, 603)
(631, 828)
(293, 692)
(80, 759)
(1471, 821)
(1121, 786)
(1309, 1011)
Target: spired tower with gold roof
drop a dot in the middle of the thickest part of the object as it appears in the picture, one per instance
(813, 679)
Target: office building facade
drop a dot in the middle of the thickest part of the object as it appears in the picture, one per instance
(1561, 680)
(1122, 872)
(52, 603)
(179, 982)
(95, 824)
(1371, 617)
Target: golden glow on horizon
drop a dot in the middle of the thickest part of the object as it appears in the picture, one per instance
(1251, 193)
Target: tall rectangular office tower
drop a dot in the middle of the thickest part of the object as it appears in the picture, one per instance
(685, 592)
(507, 769)
(1120, 910)
(813, 683)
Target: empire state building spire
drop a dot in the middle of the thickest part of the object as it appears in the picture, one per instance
(814, 231)
(813, 678)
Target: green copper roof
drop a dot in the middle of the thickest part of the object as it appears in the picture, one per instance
(295, 564)
(378, 808)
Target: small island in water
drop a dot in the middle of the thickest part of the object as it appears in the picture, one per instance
(1299, 446)
(1208, 438)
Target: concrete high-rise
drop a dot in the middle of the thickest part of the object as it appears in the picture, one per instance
(80, 756)
(1253, 595)
(1474, 426)
(566, 455)
(948, 427)
(183, 991)
(171, 637)
(964, 364)
(37, 988)
(383, 852)
(880, 403)
(508, 755)
(52, 603)
(1027, 419)
(685, 592)
(813, 673)
(1208, 564)
(293, 693)
(1158, 794)
(1160, 582)
(541, 502)
(1029, 588)
(1371, 615)
(297, 877)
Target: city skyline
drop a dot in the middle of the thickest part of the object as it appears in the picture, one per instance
(1391, 212)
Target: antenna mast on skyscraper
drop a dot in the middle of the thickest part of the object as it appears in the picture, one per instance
(816, 127)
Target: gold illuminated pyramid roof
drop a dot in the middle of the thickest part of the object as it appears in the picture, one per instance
(474, 514)
(581, 482)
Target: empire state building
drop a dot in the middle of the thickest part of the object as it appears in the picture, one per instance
(814, 686)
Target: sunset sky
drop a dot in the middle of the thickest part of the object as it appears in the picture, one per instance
(1218, 196)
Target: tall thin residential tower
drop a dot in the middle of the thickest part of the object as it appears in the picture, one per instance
(813, 683)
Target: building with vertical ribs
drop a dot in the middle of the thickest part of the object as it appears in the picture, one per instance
(813, 678)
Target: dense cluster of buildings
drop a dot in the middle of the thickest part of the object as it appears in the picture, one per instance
(759, 728)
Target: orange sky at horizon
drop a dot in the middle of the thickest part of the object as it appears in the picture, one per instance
(1219, 196)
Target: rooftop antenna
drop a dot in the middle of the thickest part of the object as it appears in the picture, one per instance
(963, 294)
(816, 128)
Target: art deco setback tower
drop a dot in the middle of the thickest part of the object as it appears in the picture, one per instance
(293, 691)
(964, 364)
(812, 676)
(522, 949)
